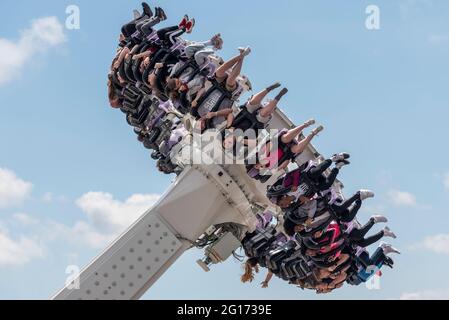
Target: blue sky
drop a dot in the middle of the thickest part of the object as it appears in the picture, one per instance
(72, 174)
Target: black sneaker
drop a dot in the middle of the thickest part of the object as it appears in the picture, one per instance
(147, 9)
(389, 262)
(282, 93)
(340, 156)
(340, 164)
(274, 86)
(161, 14)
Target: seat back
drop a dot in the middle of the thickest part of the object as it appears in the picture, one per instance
(275, 257)
(259, 243)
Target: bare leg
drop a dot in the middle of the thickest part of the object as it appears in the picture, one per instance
(268, 110)
(258, 98)
(221, 70)
(302, 145)
(231, 80)
(293, 133)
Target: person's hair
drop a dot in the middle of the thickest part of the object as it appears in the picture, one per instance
(171, 84)
(173, 95)
(289, 227)
(113, 62)
(141, 137)
(170, 89)
(111, 94)
(301, 283)
(250, 266)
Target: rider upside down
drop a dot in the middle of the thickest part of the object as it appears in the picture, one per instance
(158, 79)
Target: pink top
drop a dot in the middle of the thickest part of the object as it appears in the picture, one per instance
(272, 156)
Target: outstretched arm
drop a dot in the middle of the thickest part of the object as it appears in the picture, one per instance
(283, 165)
(142, 55)
(200, 93)
(221, 113)
(267, 279)
(229, 120)
(134, 49)
(121, 57)
(342, 259)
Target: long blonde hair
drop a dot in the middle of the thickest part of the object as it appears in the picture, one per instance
(251, 266)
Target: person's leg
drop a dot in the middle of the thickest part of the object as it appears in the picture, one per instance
(147, 10)
(257, 99)
(140, 24)
(163, 33)
(370, 240)
(350, 201)
(189, 25)
(329, 180)
(317, 171)
(268, 110)
(359, 234)
(349, 214)
(365, 259)
(302, 145)
(160, 13)
(222, 70)
(129, 28)
(231, 80)
(378, 257)
(172, 36)
(147, 27)
(290, 135)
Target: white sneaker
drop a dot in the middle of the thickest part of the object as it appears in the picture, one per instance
(245, 51)
(388, 248)
(340, 157)
(136, 14)
(317, 130)
(310, 122)
(379, 219)
(365, 194)
(389, 233)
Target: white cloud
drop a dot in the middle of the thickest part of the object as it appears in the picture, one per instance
(426, 295)
(108, 217)
(12, 189)
(446, 181)
(25, 219)
(438, 243)
(18, 252)
(42, 35)
(402, 198)
(91, 236)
